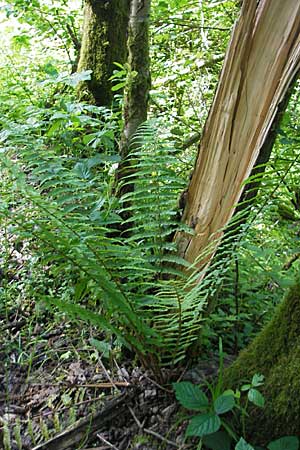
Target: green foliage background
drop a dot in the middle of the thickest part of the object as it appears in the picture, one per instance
(59, 203)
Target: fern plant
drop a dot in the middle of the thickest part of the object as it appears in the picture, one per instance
(133, 286)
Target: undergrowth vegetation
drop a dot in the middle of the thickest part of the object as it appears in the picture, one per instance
(60, 205)
(66, 248)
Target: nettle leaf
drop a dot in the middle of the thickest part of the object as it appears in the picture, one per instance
(190, 396)
(285, 443)
(243, 445)
(256, 397)
(203, 425)
(224, 403)
(217, 441)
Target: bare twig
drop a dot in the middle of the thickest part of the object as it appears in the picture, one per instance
(160, 437)
(107, 374)
(158, 385)
(151, 432)
(87, 385)
(106, 442)
(139, 424)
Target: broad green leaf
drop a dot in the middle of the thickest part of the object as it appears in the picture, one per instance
(257, 380)
(74, 79)
(285, 443)
(203, 425)
(224, 403)
(243, 445)
(56, 125)
(256, 397)
(217, 441)
(87, 138)
(190, 396)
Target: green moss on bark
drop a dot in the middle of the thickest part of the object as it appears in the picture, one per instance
(103, 43)
(275, 353)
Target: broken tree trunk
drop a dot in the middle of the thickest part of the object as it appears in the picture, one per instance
(261, 62)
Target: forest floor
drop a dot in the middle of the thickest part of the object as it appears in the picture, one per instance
(50, 377)
(58, 391)
(52, 380)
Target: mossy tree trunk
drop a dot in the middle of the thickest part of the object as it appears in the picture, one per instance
(103, 43)
(137, 90)
(275, 353)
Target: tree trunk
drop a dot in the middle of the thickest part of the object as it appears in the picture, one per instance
(251, 189)
(261, 62)
(137, 90)
(275, 353)
(103, 43)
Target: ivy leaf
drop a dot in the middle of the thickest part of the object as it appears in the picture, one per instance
(190, 396)
(202, 425)
(224, 403)
(285, 443)
(256, 397)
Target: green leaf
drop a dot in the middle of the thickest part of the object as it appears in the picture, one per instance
(285, 443)
(54, 127)
(224, 403)
(217, 441)
(202, 425)
(87, 138)
(243, 445)
(190, 396)
(257, 380)
(80, 290)
(256, 397)
(118, 86)
(74, 79)
(103, 347)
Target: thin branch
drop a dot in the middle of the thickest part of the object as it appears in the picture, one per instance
(106, 442)
(151, 432)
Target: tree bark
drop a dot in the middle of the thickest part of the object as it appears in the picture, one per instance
(261, 62)
(103, 43)
(137, 90)
(251, 189)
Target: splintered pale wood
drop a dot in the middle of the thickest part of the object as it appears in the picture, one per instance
(262, 59)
